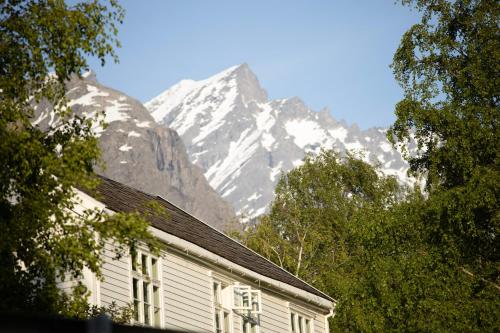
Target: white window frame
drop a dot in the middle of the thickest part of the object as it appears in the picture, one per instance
(221, 307)
(300, 317)
(224, 288)
(250, 317)
(146, 279)
(252, 295)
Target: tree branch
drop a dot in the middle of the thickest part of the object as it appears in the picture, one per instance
(493, 284)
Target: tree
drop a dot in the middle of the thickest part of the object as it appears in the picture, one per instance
(360, 237)
(42, 240)
(407, 261)
(448, 66)
(432, 263)
(396, 280)
(307, 229)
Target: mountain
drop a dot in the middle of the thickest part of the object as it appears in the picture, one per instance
(140, 153)
(243, 141)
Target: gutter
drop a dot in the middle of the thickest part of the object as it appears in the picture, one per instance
(331, 314)
(247, 248)
(86, 201)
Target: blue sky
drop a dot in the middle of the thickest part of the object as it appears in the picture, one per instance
(332, 53)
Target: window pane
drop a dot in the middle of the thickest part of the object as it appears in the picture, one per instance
(245, 300)
(145, 292)
(135, 288)
(217, 322)
(226, 322)
(136, 310)
(133, 260)
(301, 325)
(255, 306)
(156, 305)
(245, 326)
(144, 264)
(292, 321)
(308, 326)
(237, 298)
(147, 302)
(156, 296)
(255, 300)
(217, 293)
(242, 297)
(157, 316)
(147, 318)
(154, 267)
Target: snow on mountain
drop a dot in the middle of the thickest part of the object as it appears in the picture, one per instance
(243, 141)
(139, 152)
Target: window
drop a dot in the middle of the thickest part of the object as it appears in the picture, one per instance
(247, 304)
(227, 322)
(246, 298)
(222, 312)
(300, 323)
(146, 292)
(235, 300)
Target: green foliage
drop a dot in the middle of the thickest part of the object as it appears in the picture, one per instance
(120, 315)
(310, 227)
(397, 279)
(44, 239)
(360, 237)
(449, 67)
(80, 309)
(401, 261)
(416, 262)
(77, 307)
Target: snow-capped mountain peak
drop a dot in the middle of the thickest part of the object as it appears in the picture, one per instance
(234, 82)
(243, 141)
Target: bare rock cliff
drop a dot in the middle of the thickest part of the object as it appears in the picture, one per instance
(140, 153)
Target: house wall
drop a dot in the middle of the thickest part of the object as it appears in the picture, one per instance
(187, 275)
(275, 314)
(187, 294)
(116, 284)
(319, 324)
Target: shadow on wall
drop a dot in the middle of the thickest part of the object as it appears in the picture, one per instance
(24, 323)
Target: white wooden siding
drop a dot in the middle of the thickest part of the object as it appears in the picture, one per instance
(187, 291)
(319, 323)
(116, 284)
(274, 317)
(187, 295)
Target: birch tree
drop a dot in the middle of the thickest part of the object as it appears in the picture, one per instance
(306, 229)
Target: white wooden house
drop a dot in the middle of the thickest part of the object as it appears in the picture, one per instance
(203, 281)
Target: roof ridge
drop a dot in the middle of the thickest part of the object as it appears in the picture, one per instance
(125, 185)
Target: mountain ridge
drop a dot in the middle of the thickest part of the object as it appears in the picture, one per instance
(140, 153)
(243, 141)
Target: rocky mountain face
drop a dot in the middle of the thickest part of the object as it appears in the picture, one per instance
(243, 141)
(140, 153)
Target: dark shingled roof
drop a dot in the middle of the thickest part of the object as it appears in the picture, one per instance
(121, 198)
